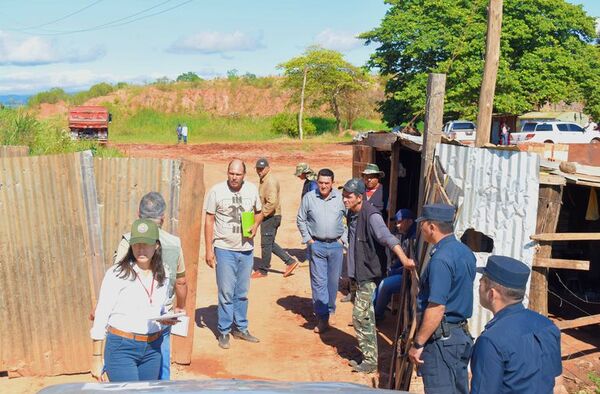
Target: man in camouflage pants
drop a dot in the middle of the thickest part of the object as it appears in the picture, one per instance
(367, 237)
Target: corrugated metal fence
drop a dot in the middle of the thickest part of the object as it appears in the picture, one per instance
(63, 216)
(13, 150)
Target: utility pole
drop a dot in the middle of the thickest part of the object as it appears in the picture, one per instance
(434, 114)
(490, 72)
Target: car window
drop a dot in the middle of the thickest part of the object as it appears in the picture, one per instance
(463, 126)
(544, 127)
(575, 127)
(530, 126)
(562, 127)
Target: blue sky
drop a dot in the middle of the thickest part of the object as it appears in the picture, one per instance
(73, 44)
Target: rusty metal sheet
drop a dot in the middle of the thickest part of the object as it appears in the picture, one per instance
(121, 183)
(13, 150)
(45, 253)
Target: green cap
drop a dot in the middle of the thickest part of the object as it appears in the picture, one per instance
(143, 231)
(373, 169)
(302, 168)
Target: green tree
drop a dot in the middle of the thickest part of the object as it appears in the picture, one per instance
(189, 77)
(548, 54)
(323, 76)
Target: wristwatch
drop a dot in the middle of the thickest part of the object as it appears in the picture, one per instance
(417, 345)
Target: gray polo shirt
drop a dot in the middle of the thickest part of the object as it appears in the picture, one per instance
(320, 217)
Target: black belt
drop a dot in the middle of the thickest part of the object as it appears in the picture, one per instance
(326, 240)
(444, 329)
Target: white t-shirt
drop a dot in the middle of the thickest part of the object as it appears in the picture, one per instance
(184, 131)
(126, 304)
(227, 206)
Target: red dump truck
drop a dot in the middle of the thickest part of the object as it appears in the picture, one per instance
(89, 122)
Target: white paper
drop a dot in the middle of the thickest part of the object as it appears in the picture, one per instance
(181, 328)
(167, 316)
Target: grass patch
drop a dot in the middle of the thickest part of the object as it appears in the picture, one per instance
(369, 124)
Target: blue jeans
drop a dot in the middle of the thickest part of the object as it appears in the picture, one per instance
(383, 295)
(165, 351)
(126, 360)
(325, 270)
(233, 282)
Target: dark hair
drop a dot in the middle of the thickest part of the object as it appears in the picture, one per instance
(444, 227)
(325, 172)
(126, 271)
(507, 293)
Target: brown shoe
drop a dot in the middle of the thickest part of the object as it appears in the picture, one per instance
(257, 274)
(290, 269)
(321, 327)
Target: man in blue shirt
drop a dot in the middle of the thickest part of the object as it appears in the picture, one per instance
(320, 221)
(519, 350)
(442, 345)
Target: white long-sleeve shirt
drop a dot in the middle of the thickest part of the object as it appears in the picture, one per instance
(124, 304)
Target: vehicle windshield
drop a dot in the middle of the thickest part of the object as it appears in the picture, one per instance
(530, 126)
(463, 126)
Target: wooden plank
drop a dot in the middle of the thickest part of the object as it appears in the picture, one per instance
(550, 201)
(551, 179)
(381, 141)
(580, 322)
(190, 205)
(490, 73)
(549, 237)
(434, 113)
(361, 156)
(393, 176)
(582, 265)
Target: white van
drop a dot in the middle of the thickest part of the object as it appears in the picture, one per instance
(554, 132)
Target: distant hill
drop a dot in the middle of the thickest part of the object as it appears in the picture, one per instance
(14, 100)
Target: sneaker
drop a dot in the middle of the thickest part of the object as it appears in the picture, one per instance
(224, 341)
(290, 269)
(257, 274)
(245, 335)
(365, 368)
(346, 298)
(321, 327)
(353, 363)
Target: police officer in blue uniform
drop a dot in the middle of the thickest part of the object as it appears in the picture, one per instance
(442, 345)
(519, 350)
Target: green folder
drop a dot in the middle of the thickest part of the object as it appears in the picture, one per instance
(247, 223)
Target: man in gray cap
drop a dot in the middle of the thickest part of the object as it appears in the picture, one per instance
(152, 206)
(527, 360)
(271, 208)
(368, 236)
(444, 303)
(374, 188)
(306, 174)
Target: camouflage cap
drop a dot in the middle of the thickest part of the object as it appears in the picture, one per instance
(302, 168)
(143, 231)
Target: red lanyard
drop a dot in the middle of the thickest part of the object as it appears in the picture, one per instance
(149, 293)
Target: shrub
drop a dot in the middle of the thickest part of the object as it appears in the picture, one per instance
(51, 96)
(287, 124)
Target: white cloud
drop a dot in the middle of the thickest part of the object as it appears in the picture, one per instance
(338, 40)
(35, 51)
(26, 82)
(216, 42)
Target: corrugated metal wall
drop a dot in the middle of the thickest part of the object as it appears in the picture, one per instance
(13, 151)
(45, 252)
(496, 192)
(121, 183)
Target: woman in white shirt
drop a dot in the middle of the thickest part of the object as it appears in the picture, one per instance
(133, 292)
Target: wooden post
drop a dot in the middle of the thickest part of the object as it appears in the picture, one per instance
(550, 201)
(190, 225)
(301, 113)
(434, 114)
(490, 72)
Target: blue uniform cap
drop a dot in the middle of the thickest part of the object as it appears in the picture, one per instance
(355, 185)
(438, 213)
(507, 272)
(404, 214)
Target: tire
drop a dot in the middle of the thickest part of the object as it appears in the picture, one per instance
(595, 141)
(548, 142)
